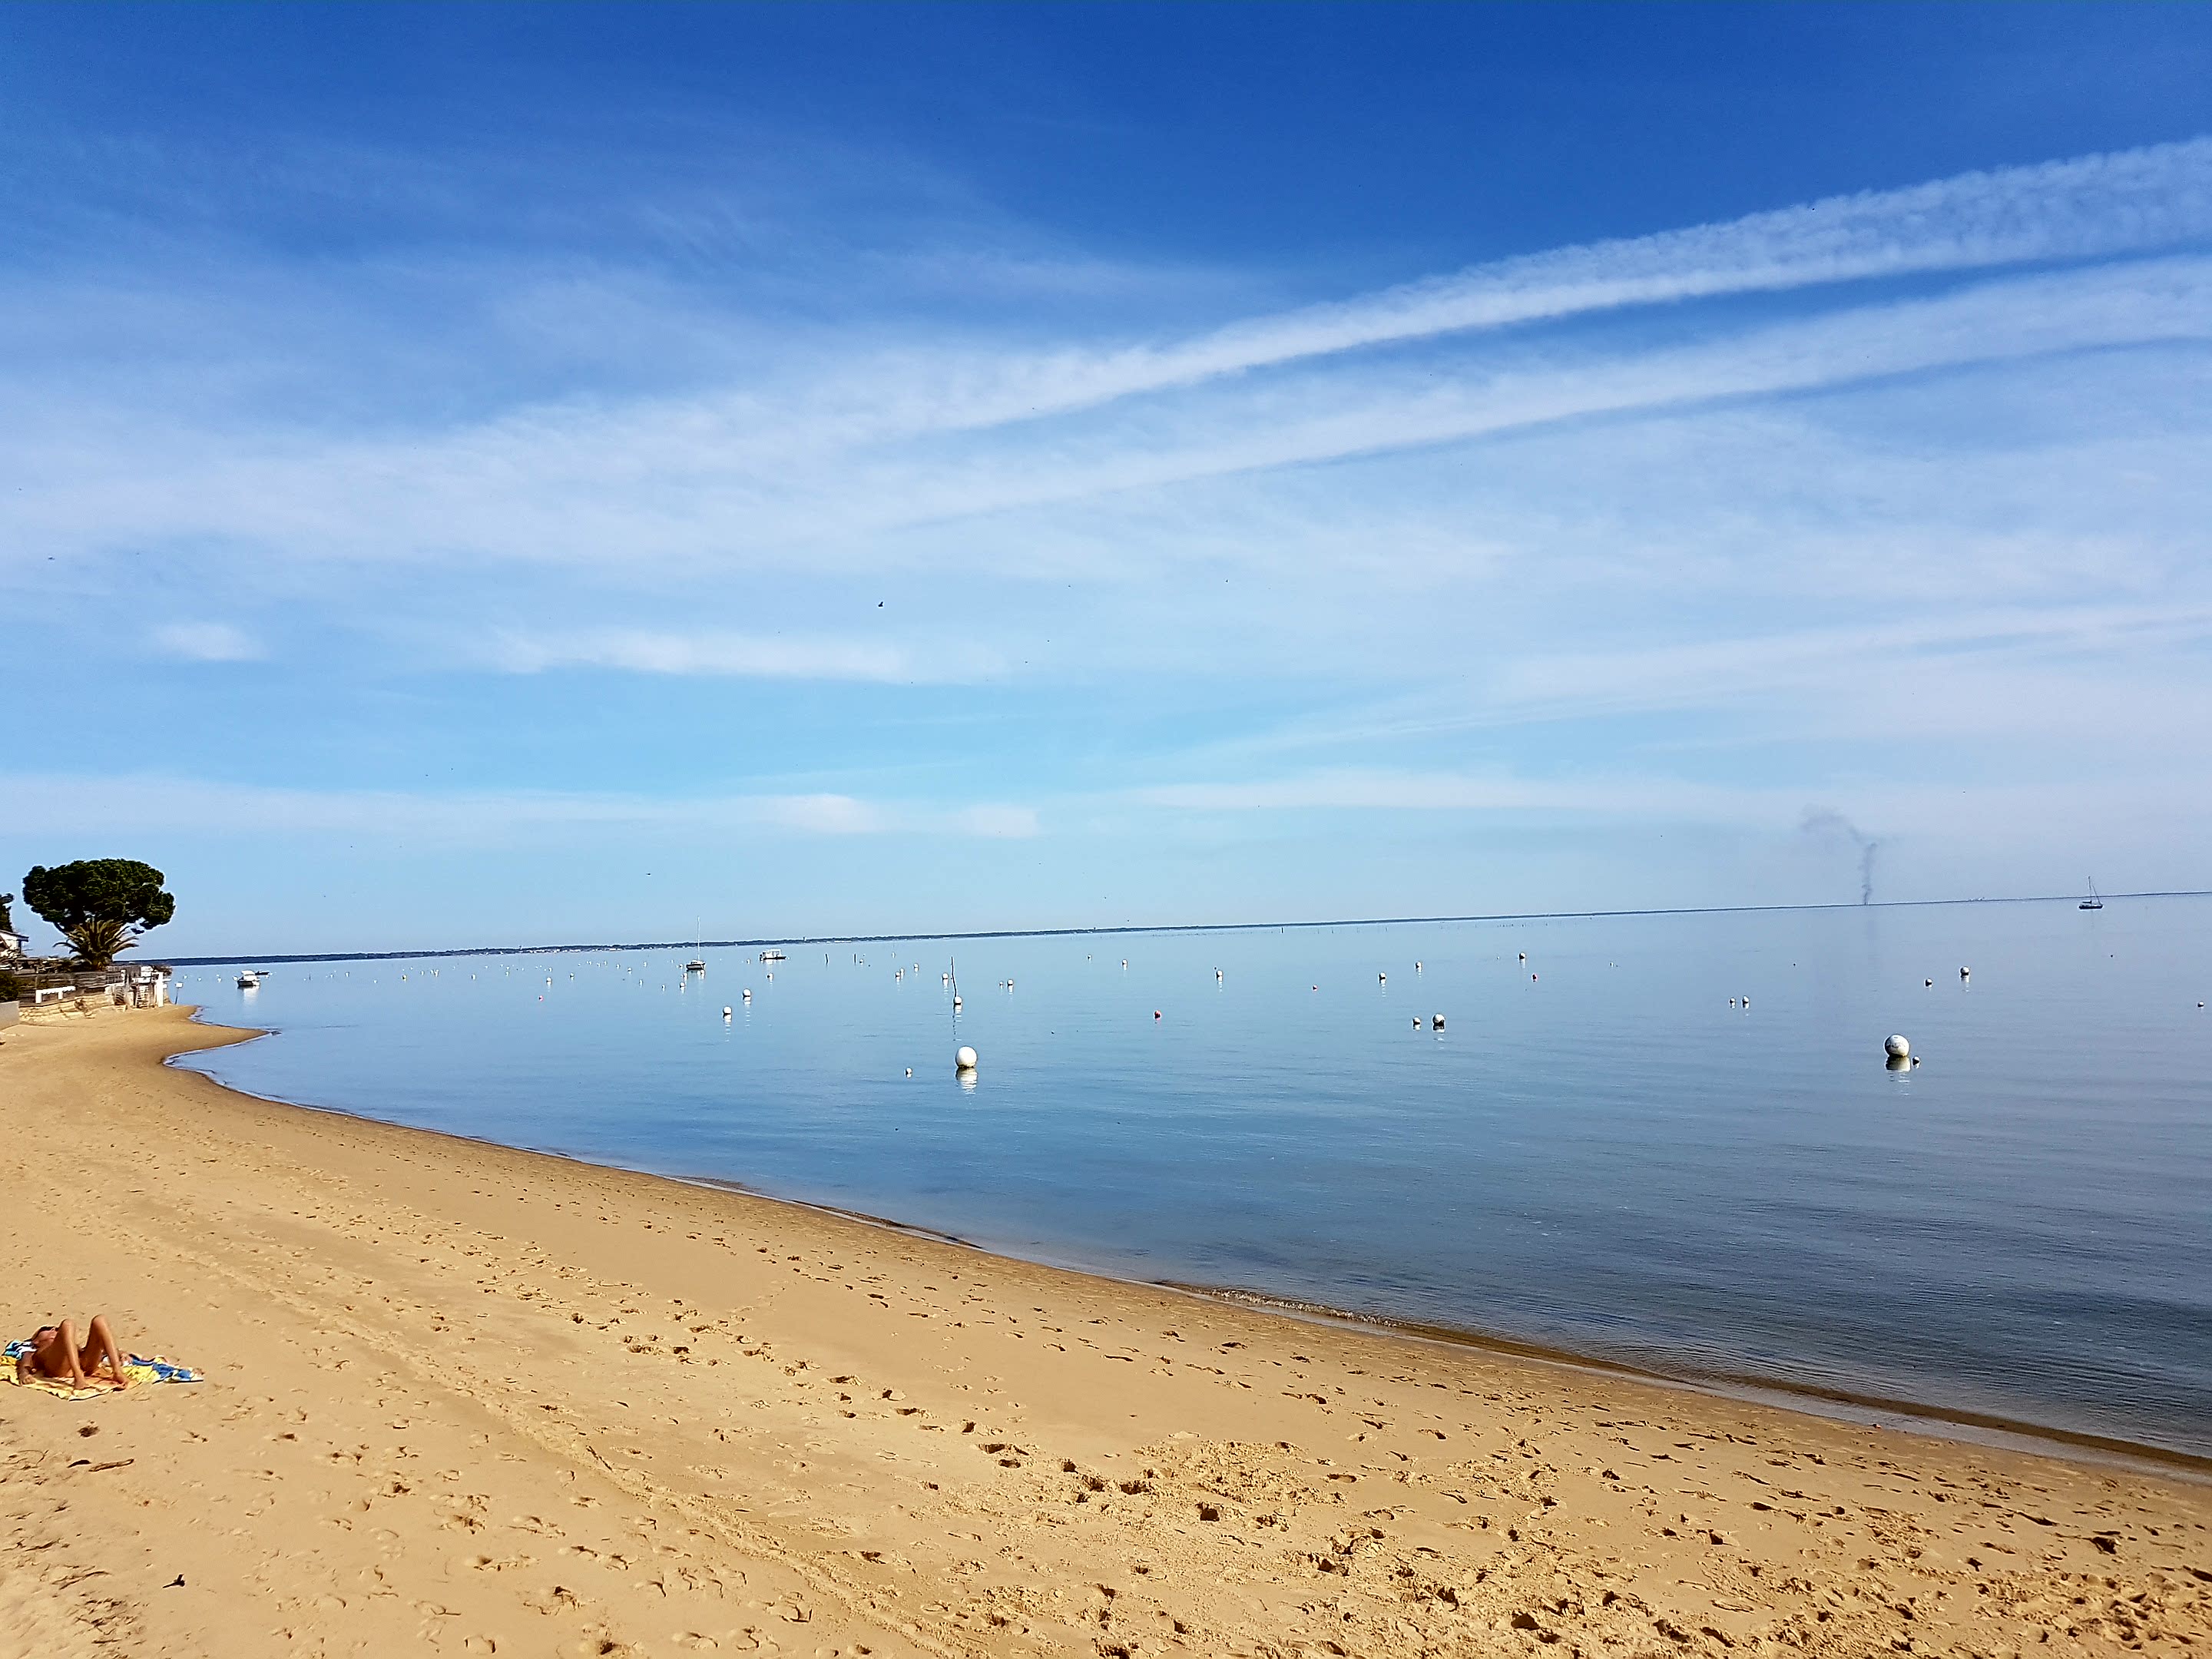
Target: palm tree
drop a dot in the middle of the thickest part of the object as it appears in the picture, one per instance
(98, 939)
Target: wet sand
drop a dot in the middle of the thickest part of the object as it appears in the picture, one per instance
(469, 1400)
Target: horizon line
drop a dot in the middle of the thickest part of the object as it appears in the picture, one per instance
(1162, 927)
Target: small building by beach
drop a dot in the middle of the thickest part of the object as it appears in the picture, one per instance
(146, 984)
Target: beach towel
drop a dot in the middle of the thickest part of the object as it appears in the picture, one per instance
(138, 1370)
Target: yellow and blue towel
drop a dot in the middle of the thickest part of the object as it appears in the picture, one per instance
(137, 1368)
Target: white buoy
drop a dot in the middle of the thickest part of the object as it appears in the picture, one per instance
(1928, 982)
(909, 1071)
(1965, 973)
(1436, 1022)
(1416, 967)
(1524, 955)
(964, 1060)
(1217, 974)
(1897, 1047)
(1381, 979)
(746, 996)
(727, 1011)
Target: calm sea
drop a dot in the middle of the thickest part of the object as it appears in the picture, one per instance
(1598, 1152)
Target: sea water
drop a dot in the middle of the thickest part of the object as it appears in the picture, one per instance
(1666, 1140)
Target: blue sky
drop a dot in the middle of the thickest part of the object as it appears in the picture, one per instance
(505, 475)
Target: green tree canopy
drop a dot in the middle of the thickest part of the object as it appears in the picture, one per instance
(98, 905)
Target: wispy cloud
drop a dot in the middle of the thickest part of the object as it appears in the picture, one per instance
(721, 652)
(998, 822)
(652, 484)
(2127, 201)
(1502, 545)
(1371, 790)
(66, 804)
(1729, 669)
(206, 642)
(821, 814)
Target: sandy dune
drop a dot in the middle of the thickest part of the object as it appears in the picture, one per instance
(472, 1401)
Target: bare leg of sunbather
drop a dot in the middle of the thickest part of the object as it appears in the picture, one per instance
(57, 1356)
(100, 1349)
(62, 1358)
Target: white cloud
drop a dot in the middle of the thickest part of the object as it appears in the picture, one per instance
(1366, 789)
(656, 651)
(206, 642)
(825, 815)
(997, 823)
(749, 483)
(56, 803)
(2093, 206)
(1499, 555)
(1726, 670)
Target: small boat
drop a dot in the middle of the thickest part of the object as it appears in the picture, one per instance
(694, 966)
(249, 980)
(2092, 902)
(771, 955)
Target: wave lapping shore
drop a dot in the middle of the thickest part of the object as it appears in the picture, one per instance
(474, 1399)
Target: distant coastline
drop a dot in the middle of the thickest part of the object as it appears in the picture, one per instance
(1127, 928)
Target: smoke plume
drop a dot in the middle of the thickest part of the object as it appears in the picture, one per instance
(1825, 822)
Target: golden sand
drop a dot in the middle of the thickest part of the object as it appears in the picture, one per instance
(467, 1399)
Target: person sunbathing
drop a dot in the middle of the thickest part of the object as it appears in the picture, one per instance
(55, 1355)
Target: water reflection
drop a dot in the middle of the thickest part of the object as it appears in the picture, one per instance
(2019, 1229)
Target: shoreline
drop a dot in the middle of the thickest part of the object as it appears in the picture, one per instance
(475, 1399)
(1833, 1404)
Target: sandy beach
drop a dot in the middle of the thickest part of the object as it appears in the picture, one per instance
(468, 1399)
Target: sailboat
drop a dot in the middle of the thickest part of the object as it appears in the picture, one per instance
(2092, 902)
(698, 963)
